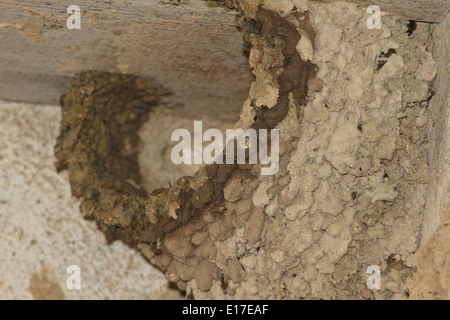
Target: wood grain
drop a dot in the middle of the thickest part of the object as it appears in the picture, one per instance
(418, 10)
(192, 50)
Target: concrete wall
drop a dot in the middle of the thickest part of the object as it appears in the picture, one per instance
(41, 229)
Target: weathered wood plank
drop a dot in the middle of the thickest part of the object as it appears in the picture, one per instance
(191, 49)
(418, 10)
(438, 201)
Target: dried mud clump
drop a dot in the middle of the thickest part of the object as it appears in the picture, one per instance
(98, 144)
(176, 228)
(350, 189)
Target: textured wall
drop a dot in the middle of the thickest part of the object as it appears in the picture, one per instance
(41, 229)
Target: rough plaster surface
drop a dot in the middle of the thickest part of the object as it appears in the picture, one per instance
(432, 278)
(41, 229)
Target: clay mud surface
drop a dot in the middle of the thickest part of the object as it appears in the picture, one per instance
(350, 190)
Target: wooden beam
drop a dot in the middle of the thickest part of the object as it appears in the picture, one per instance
(418, 10)
(191, 49)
